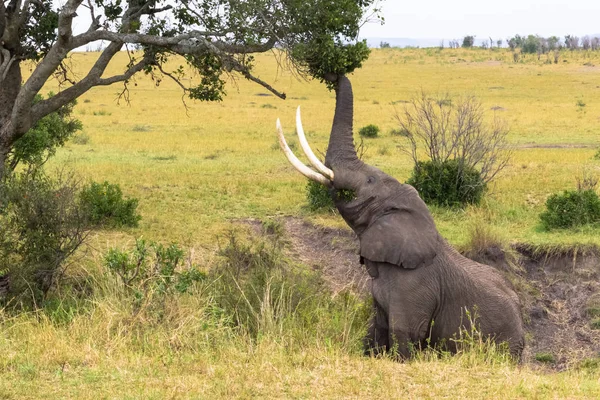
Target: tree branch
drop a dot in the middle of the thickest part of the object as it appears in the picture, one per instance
(93, 78)
(246, 73)
(52, 104)
(6, 63)
(95, 25)
(146, 10)
(125, 76)
(21, 113)
(65, 21)
(184, 44)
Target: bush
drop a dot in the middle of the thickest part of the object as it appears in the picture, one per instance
(459, 145)
(468, 41)
(449, 183)
(571, 209)
(105, 205)
(41, 225)
(152, 272)
(546, 358)
(369, 131)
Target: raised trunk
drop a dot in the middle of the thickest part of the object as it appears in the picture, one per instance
(341, 150)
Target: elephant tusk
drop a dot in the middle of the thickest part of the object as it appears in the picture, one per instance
(307, 150)
(303, 169)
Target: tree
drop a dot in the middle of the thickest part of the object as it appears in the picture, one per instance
(468, 41)
(553, 42)
(215, 37)
(531, 44)
(586, 42)
(516, 42)
(571, 42)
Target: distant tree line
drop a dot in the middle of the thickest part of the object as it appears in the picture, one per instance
(536, 44)
(532, 44)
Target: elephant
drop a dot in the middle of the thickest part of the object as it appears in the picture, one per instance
(424, 291)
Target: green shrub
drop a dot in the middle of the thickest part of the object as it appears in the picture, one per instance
(152, 272)
(546, 358)
(449, 183)
(106, 206)
(41, 141)
(369, 131)
(570, 209)
(41, 224)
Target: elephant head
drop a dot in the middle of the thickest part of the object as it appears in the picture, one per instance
(392, 222)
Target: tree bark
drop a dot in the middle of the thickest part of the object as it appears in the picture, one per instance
(9, 90)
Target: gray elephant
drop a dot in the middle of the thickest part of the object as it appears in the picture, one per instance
(424, 291)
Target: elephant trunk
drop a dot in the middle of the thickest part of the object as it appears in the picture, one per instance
(341, 150)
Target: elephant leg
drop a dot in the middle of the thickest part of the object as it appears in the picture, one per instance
(408, 334)
(377, 339)
(400, 341)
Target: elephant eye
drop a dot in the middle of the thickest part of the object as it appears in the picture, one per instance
(371, 179)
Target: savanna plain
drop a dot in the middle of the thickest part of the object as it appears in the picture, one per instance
(205, 173)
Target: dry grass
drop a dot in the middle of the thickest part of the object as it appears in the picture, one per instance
(99, 357)
(194, 171)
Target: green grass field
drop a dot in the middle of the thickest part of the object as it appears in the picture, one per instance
(197, 169)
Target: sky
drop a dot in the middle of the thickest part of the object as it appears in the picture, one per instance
(500, 19)
(454, 19)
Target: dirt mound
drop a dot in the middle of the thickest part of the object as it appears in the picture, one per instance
(560, 293)
(332, 251)
(562, 313)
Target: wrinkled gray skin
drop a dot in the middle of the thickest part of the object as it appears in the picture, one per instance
(417, 277)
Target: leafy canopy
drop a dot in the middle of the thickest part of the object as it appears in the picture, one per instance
(216, 38)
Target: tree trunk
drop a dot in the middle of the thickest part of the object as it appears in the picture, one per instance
(9, 90)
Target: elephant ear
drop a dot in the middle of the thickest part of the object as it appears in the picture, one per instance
(403, 237)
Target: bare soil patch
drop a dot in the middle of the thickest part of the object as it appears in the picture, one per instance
(559, 317)
(555, 289)
(334, 252)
